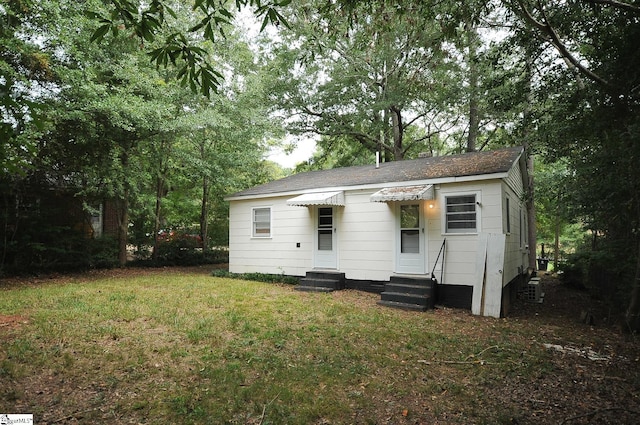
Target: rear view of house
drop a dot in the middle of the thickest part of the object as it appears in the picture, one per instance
(459, 218)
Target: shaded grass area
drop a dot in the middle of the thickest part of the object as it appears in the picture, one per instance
(188, 348)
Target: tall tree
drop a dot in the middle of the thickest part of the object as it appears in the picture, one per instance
(23, 63)
(554, 213)
(110, 102)
(25, 79)
(368, 79)
(592, 119)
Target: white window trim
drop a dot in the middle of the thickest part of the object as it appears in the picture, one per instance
(253, 223)
(444, 197)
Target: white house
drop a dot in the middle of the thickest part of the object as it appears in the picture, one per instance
(460, 219)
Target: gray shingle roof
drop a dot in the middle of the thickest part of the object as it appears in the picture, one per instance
(468, 164)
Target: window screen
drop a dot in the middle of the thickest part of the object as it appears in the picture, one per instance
(261, 222)
(461, 215)
(325, 229)
(409, 229)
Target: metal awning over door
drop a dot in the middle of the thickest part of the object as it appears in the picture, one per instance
(404, 193)
(318, 198)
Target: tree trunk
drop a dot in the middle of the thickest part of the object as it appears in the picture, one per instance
(632, 315)
(530, 188)
(531, 214)
(204, 223)
(156, 222)
(385, 150)
(396, 123)
(558, 228)
(123, 228)
(556, 243)
(472, 137)
(474, 118)
(123, 214)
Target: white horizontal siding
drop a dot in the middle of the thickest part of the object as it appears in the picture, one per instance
(277, 254)
(365, 237)
(461, 249)
(459, 260)
(491, 208)
(514, 180)
(516, 254)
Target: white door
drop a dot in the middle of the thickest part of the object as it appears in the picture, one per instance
(410, 251)
(326, 252)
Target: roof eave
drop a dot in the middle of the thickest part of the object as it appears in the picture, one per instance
(376, 186)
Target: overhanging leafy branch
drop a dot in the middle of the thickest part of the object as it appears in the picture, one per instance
(146, 23)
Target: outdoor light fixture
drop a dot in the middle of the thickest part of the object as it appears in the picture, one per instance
(431, 204)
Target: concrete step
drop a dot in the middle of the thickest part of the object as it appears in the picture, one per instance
(412, 280)
(321, 283)
(408, 288)
(313, 288)
(405, 298)
(325, 274)
(402, 306)
(413, 290)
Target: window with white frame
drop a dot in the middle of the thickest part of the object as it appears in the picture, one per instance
(261, 222)
(461, 215)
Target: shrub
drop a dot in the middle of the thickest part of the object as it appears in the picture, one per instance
(177, 253)
(103, 252)
(259, 277)
(603, 272)
(59, 250)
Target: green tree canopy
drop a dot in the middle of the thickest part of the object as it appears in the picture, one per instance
(370, 79)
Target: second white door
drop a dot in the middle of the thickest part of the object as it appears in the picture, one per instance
(326, 252)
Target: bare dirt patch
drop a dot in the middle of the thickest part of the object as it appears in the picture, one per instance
(12, 322)
(594, 376)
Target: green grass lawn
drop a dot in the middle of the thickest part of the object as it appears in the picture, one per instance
(177, 347)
